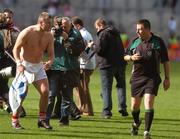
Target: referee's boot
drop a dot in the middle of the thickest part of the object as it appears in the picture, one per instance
(135, 128)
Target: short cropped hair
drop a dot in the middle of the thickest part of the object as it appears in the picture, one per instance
(146, 23)
(43, 16)
(76, 20)
(100, 21)
(57, 19)
(8, 11)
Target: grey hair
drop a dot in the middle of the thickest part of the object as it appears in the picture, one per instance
(67, 19)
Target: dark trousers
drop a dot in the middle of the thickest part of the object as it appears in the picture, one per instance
(59, 87)
(4, 89)
(107, 75)
(54, 78)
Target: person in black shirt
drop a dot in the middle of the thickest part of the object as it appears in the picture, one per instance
(110, 61)
(9, 33)
(146, 51)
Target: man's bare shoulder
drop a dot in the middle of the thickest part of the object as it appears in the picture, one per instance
(27, 30)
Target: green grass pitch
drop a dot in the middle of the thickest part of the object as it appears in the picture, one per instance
(166, 124)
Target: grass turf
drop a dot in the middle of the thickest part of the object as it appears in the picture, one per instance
(166, 124)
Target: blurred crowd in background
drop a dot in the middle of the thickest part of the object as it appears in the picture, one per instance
(164, 15)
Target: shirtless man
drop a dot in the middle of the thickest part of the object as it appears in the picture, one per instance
(28, 53)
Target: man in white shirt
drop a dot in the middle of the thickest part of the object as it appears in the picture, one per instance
(172, 26)
(87, 66)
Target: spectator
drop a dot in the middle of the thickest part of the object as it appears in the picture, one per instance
(87, 66)
(67, 8)
(10, 33)
(54, 76)
(125, 39)
(110, 53)
(52, 7)
(70, 46)
(58, 77)
(173, 47)
(172, 26)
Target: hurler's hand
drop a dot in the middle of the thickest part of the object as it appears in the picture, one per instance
(20, 68)
(47, 65)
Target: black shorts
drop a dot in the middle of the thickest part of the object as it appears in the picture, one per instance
(143, 84)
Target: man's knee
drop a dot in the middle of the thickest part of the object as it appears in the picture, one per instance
(149, 101)
(135, 104)
(135, 107)
(45, 93)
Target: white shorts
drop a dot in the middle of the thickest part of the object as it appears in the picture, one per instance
(36, 69)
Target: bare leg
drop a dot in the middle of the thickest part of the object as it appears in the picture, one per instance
(16, 115)
(149, 101)
(43, 88)
(135, 103)
(15, 118)
(79, 97)
(88, 108)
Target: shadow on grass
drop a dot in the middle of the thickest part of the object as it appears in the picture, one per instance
(102, 127)
(166, 137)
(106, 120)
(159, 121)
(71, 133)
(50, 135)
(81, 134)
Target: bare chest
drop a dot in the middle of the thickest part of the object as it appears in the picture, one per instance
(37, 42)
